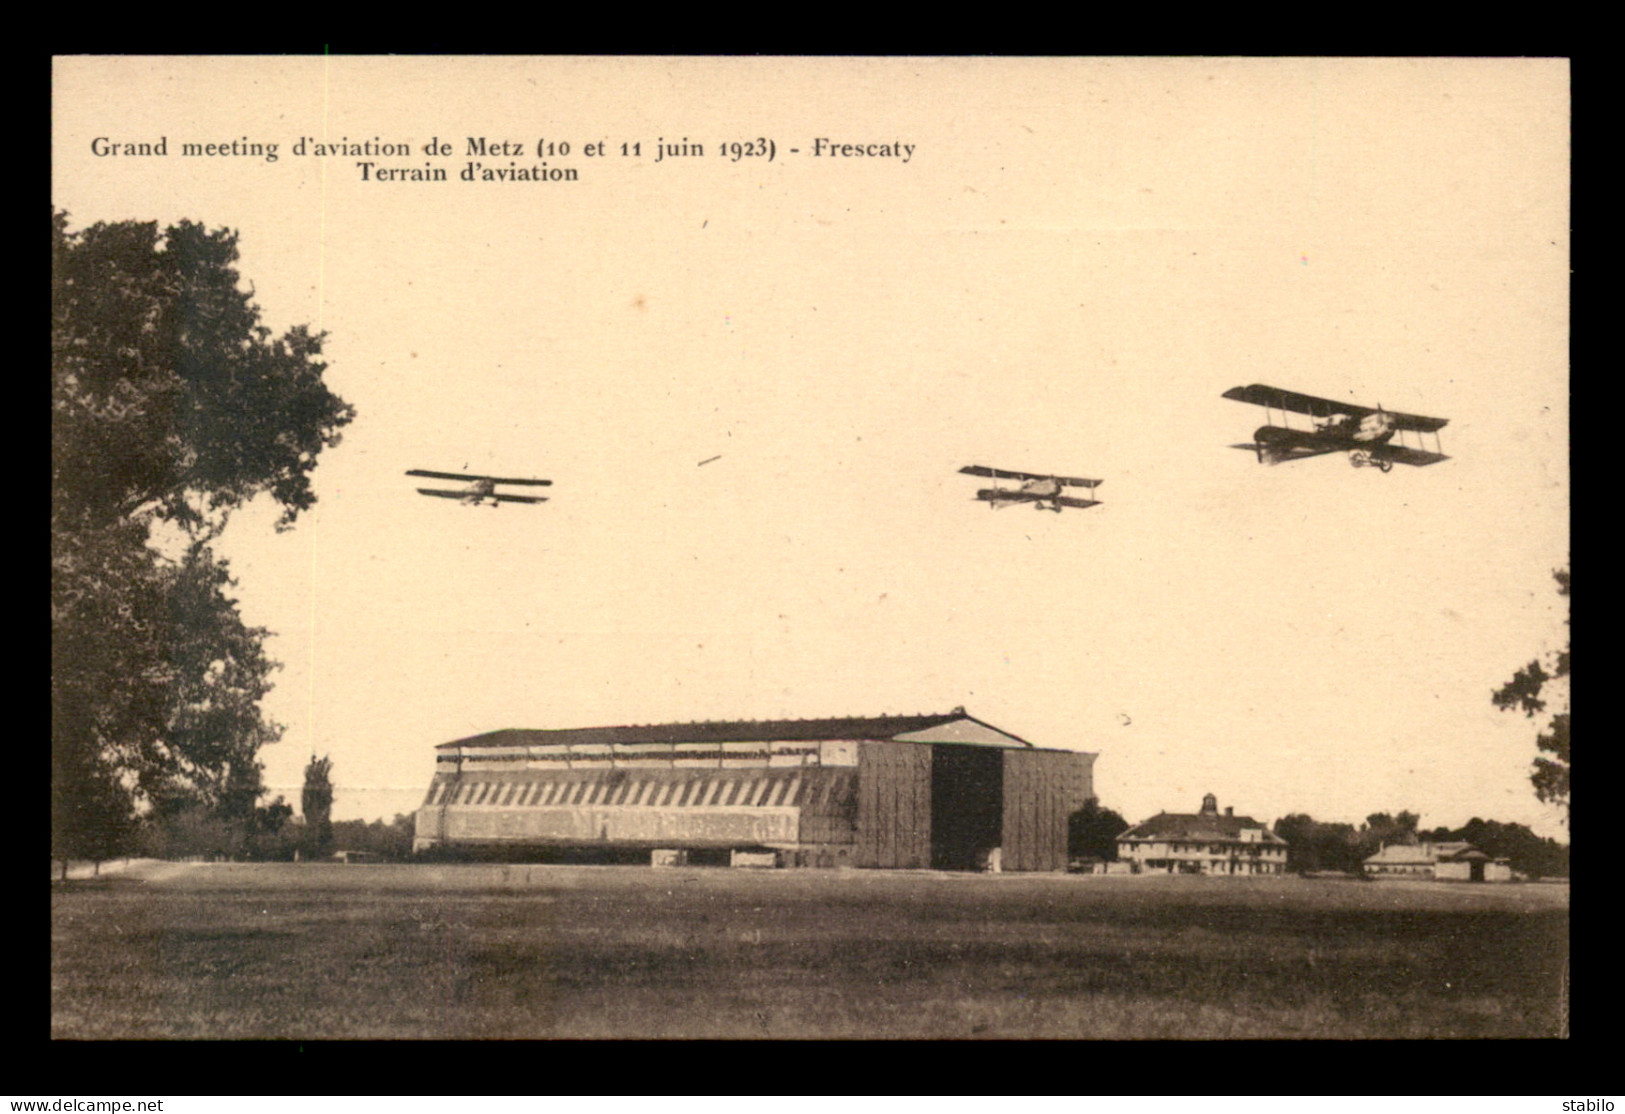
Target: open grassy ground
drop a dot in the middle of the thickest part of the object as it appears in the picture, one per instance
(314, 951)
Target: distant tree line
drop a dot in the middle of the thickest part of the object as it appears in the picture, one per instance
(1314, 845)
(1528, 852)
(197, 834)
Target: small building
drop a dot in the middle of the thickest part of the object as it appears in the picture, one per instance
(1203, 843)
(1451, 861)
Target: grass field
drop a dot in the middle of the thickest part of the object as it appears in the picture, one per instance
(313, 951)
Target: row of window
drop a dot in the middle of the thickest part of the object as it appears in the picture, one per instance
(1221, 849)
(757, 792)
(1190, 866)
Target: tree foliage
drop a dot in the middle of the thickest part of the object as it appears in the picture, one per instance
(1092, 832)
(391, 841)
(170, 403)
(168, 394)
(1314, 845)
(1544, 682)
(316, 802)
(1528, 853)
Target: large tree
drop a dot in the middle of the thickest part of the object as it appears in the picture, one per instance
(1542, 683)
(168, 393)
(171, 404)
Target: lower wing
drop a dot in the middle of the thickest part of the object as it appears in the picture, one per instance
(445, 494)
(1403, 454)
(520, 498)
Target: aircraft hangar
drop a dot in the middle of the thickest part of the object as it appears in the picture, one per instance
(937, 791)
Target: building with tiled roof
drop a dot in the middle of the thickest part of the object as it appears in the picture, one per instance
(948, 791)
(1203, 842)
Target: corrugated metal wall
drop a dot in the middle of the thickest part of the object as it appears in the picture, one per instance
(894, 805)
(701, 807)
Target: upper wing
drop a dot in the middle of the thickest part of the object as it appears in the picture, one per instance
(1417, 422)
(1261, 395)
(520, 498)
(471, 476)
(1404, 454)
(1002, 474)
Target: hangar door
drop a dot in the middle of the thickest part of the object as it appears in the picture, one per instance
(1040, 788)
(967, 805)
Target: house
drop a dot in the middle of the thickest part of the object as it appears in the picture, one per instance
(1203, 843)
(1454, 860)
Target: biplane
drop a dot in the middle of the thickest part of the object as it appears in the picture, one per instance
(1034, 488)
(1372, 437)
(479, 489)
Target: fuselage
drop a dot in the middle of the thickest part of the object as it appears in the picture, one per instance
(1373, 429)
(479, 491)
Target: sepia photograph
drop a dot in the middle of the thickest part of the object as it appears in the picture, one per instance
(806, 548)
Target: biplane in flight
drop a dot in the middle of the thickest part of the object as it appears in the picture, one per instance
(1372, 437)
(479, 489)
(1036, 489)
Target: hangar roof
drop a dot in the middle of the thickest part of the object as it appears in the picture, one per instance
(956, 726)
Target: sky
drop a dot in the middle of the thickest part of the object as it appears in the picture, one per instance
(753, 381)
